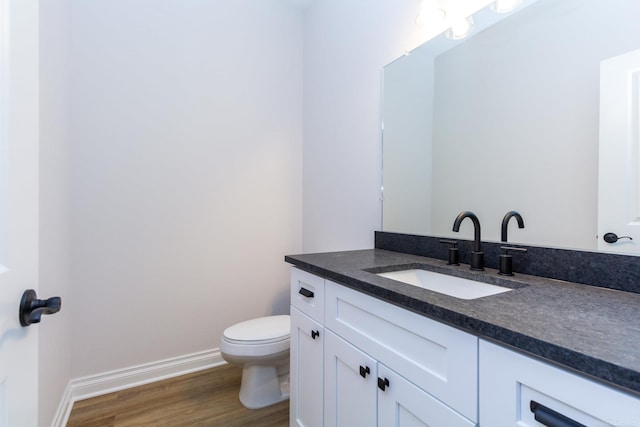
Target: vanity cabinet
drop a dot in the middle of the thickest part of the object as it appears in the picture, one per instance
(382, 365)
(516, 389)
(359, 360)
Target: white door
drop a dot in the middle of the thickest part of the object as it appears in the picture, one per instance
(18, 208)
(619, 169)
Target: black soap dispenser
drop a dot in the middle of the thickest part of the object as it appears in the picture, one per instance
(454, 253)
(506, 260)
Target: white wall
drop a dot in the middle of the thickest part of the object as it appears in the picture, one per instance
(187, 170)
(54, 331)
(346, 45)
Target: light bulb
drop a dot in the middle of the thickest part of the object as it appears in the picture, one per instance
(504, 6)
(430, 13)
(460, 28)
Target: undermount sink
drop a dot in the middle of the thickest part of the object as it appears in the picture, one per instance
(445, 284)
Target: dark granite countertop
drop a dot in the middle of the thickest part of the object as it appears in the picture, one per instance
(592, 330)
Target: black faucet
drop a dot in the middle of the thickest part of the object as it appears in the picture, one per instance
(477, 257)
(505, 223)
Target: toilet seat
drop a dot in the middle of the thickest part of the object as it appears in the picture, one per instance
(262, 330)
(257, 337)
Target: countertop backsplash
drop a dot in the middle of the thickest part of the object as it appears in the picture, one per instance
(614, 271)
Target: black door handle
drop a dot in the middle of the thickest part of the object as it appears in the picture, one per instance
(551, 418)
(306, 292)
(32, 308)
(383, 383)
(613, 237)
(315, 334)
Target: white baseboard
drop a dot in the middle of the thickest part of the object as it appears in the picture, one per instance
(64, 409)
(109, 382)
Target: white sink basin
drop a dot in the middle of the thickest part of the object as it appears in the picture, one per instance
(445, 284)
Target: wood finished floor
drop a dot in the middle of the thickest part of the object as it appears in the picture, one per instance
(205, 398)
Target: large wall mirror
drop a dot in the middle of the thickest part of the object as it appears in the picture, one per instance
(507, 119)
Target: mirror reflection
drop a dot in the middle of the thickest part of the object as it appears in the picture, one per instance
(507, 119)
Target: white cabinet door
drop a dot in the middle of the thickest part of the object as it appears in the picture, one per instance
(510, 381)
(307, 345)
(350, 385)
(402, 404)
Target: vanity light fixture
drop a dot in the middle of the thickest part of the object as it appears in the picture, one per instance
(460, 28)
(504, 6)
(450, 16)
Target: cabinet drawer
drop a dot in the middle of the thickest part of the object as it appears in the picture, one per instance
(435, 357)
(510, 381)
(307, 294)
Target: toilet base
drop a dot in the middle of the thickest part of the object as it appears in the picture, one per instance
(263, 386)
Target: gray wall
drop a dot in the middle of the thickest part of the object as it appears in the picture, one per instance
(186, 173)
(346, 45)
(55, 332)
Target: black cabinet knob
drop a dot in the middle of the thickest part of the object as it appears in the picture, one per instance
(364, 370)
(315, 334)
(383, 383)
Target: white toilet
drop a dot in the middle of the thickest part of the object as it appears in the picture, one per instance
(261, 347)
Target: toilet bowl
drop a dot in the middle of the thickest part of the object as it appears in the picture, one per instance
(261, 348)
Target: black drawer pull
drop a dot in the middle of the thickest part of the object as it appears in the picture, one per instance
(315, 334)
(306, 292)
(551, 418)
(383, 383)
(364, 370)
